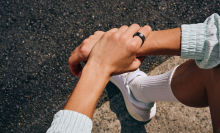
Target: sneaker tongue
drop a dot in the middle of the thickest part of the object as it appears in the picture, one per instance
(132, 75)
(128, 74)
(124, 76)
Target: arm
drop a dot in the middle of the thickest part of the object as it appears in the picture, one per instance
(201, 42)
(77, 113)
(167, 42)
(193, 41)
(113, 54)
(87, 91)
(163, 42)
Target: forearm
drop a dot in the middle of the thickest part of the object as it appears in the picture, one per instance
(87, 92)
(163, 42)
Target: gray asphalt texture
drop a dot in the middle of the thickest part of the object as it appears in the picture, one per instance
(37, 37)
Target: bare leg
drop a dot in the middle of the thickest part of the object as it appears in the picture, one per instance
(197, 87)
(213, 90)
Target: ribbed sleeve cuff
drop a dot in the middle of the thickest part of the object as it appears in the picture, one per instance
(67, 121)
(192, 41)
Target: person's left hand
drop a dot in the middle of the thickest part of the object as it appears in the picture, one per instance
(81, 53)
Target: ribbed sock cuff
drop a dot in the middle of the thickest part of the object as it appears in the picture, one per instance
(158, 88)
(135, 86)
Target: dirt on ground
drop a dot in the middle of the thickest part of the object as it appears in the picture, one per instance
(113, 117)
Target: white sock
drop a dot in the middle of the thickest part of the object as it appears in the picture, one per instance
(153, 88)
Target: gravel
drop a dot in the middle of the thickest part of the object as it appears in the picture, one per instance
(37, 37)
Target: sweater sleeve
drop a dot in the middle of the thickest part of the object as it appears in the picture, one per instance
(66, 121)
(201, 42)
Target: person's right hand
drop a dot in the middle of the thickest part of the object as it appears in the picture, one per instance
(81, 53)
(115, 52)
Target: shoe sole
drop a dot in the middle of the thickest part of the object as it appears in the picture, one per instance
(138, 110)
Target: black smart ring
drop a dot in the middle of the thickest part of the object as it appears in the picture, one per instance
(141, 36)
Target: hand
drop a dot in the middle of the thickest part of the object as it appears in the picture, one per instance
(81, 53)
(115, 52)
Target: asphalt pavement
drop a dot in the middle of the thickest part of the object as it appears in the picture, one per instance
(37, 37)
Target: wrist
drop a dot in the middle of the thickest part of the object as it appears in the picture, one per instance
(96, 70)
(86, 94)
(163, 42)
(149, 46)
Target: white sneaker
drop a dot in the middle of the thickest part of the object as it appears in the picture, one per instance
(138, 110)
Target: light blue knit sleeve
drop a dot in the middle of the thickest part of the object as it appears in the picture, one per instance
(66, 121)
(201, 42)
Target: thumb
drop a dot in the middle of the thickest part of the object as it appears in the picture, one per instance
(135, 64)
(141, 58)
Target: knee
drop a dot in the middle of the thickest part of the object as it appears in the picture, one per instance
(212, 78)
(215, 73)
(217, 131)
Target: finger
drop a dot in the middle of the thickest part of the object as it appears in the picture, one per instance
(143, 30)
(134, 28)
(135, 65)
(122, 29)
(113, 30)
(74, 51)
(74, 64)
(99, 32)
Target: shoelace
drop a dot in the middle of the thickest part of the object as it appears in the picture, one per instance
(128, 77)
(124, 77)
(133, 75)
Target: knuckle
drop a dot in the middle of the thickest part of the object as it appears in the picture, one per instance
(85, 41)
(91, 36)
(124, 26)
(69, 60)
(116, 35)
(133, 46)
(123, 38)
(74, 51)
(84, 51)
(106, 35)
(97, 32)
(148, 28)
(115, 29)
(136, 25)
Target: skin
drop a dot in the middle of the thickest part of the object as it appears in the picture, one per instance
(155, 44)
(114, 53)
(200, 89)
